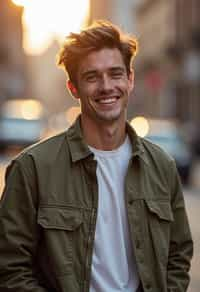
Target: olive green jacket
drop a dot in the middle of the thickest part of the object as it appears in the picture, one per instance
(48, 214)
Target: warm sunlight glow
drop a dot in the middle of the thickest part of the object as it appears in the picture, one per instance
(19, 2)
(141, 126)
(47, 20)
(72, 113)
(28, 109)
(31, 110)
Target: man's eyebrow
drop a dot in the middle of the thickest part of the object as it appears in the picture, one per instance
(113, 68)
(117, 68)
(88, 72)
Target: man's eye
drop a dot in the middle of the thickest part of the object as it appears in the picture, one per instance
(91, 78)
(117, 75)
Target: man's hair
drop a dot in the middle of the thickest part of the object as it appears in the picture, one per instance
(101, 34)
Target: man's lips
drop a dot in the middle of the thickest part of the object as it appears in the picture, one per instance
(107, 100)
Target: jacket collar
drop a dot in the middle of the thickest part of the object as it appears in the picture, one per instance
(79, 149)
(137, 144)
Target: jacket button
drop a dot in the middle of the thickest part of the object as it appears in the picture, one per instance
(131, 202)
(137, 244)
(148, 286)
(141, 260)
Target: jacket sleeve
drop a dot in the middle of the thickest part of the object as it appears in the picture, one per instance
(18, 232)
(181, 244)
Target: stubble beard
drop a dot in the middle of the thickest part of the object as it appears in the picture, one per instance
(112, 115)
(107, 116)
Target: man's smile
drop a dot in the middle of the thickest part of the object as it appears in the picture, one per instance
(107, 100)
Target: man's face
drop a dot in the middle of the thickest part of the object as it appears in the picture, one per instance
(103, 86)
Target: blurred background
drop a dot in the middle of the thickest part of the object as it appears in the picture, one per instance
(164, 106)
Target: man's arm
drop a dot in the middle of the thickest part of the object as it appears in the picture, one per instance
(181, 244)
(18, 231)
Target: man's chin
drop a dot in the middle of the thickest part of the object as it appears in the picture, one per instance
(109, 117)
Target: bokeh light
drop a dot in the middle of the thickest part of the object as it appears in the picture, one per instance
(141, 126)
(72, 113)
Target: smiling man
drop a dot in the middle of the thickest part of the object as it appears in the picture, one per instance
(103, 86)
(95, 208)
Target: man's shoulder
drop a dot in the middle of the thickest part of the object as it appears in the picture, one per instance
(160, 164)
(45, 150)
(150, 151)
(155, 152)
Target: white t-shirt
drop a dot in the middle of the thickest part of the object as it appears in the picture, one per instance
(113, 263)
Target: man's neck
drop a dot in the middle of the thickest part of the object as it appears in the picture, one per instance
(104, 136)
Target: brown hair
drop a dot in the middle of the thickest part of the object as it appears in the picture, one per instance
(102, 34)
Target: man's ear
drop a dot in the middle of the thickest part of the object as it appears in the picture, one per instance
(71, 87)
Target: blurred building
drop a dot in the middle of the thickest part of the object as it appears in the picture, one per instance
(168, 66)
(48, 82)
(12, 59)
(120, 12)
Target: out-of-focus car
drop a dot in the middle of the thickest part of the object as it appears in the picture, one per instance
(167, 135)
(22, 122)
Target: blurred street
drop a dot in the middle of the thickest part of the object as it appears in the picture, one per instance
(192, 199)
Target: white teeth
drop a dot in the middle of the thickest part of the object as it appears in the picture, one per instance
(107, 100)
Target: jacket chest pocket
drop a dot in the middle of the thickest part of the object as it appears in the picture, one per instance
(60, 229)
(160, 217)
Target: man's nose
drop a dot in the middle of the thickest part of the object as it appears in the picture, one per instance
(106, 84)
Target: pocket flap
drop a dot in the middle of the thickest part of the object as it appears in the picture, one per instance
(161, 208)
(59, 218)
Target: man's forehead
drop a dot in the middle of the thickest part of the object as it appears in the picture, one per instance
(106, 58)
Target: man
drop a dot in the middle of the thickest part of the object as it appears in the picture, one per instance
(96, 208)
